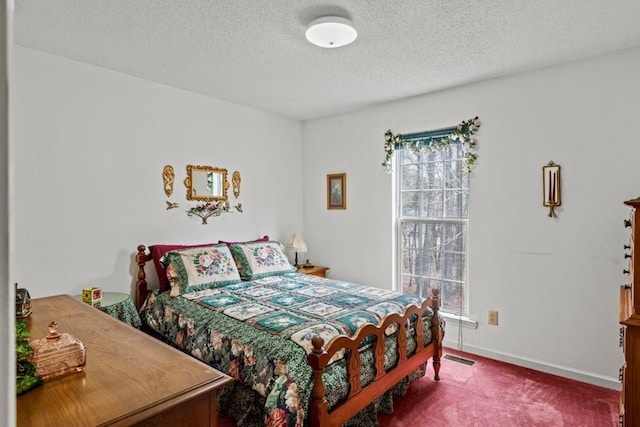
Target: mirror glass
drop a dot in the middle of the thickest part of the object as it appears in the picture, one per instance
(206, 183)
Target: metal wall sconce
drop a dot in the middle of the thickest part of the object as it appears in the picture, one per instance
(551, 196)
(168, 175)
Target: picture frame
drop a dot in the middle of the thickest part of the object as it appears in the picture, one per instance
(337, 191)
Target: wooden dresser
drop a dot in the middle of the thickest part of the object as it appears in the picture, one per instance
(630, 320)
(130, 378)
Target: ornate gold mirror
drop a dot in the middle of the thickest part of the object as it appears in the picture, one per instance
(206, 183)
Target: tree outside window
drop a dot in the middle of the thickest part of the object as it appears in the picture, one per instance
(432, 221)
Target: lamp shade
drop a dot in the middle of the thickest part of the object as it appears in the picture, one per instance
(331, 31)
(297, 243)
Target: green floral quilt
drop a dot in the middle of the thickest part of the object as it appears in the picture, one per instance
(259, 332)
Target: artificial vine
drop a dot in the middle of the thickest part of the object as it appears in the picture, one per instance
(464, 133)
(26, 377)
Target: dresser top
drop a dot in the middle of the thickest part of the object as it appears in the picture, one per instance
(127, 372)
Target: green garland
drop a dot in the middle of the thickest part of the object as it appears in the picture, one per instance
(464, 133)
(221, 206)
(26, 377)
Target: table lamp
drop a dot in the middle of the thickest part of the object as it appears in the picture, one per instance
(298, 245)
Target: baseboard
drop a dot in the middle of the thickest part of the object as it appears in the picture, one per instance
(586, 377)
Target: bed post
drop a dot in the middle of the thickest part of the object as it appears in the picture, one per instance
(436, 332)
(319, 407)
(141, 284)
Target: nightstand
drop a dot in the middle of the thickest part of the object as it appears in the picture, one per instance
(119, 305)
(316, 270)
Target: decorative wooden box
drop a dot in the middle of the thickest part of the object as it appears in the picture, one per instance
(57, 354)
(92, 296)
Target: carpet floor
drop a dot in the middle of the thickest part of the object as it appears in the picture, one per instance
(496, 394)
(490, 393)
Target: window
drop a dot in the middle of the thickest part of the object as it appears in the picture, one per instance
(432, 219)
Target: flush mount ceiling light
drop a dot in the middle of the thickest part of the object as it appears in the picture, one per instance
(331, 31)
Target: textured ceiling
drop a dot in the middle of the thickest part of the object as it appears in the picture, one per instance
(253, 52)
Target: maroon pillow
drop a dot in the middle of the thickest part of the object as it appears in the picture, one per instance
(262, 239)
(156, 253)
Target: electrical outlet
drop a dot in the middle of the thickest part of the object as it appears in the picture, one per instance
(493, 317)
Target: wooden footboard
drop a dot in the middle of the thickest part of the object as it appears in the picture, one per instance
(359, 397)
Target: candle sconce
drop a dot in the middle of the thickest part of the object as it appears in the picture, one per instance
(168, 175)
(551, 196)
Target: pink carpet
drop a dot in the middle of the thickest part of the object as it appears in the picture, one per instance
(492, 393)
(496, 394)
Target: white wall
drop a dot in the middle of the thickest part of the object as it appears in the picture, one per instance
(7, 324)
(88, 148)
(554, 282)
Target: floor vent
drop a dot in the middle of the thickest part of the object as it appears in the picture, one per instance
(459, 359)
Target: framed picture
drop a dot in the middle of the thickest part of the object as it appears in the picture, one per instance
(337, 191)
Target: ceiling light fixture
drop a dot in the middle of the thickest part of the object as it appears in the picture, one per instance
(331, 31)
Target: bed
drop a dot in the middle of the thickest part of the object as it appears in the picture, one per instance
(304, 350)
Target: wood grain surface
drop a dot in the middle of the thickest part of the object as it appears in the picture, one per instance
(129, 377)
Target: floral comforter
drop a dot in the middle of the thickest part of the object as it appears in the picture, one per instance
(259, 333)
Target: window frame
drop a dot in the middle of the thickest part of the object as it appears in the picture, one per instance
(399, 250)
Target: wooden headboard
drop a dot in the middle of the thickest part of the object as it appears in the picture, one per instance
(142, 290)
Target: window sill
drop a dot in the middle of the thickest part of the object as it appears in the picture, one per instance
(454, 319)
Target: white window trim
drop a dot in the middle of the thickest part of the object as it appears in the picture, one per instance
(451, 317)
(464, 321)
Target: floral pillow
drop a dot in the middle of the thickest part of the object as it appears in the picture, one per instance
(157, 251)
(260, 259)
(195, 269)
